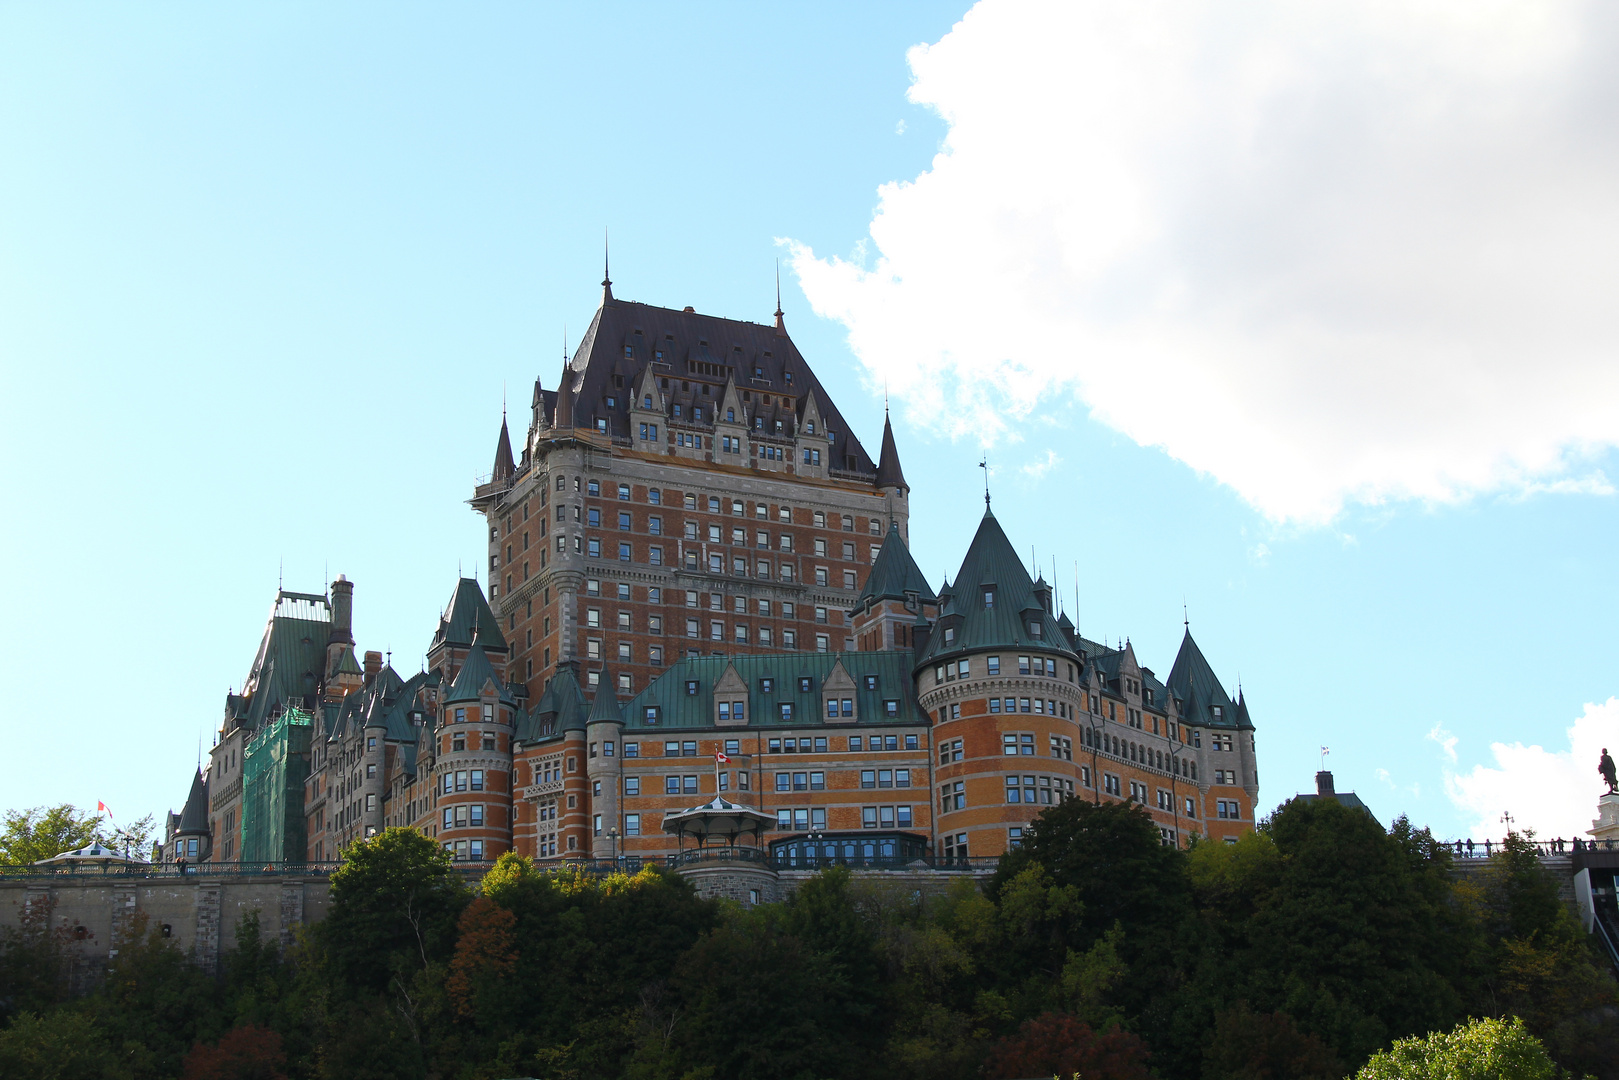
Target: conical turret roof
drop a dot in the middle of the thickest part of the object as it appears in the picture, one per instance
(889, 474)
(992, 603)
(505, 467)
(194, 817)
(474, 674)
(1193, 681)
(604, 708)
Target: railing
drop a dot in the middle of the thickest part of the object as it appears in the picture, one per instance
(167, 871)
(1483, 849)
(888, 862)
(693, 856)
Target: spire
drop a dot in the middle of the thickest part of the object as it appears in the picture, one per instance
(781, 324)
(889, 474)
(607, 277)
(564, 410)
(505, 469)
(983, 463)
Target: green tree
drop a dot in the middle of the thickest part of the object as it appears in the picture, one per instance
(1539, 964)
(42, 832)
(1354, 933)
(1476, 1050)
(60, 1045)
(393, 910)
(155, 1004)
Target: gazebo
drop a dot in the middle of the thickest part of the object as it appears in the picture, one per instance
(94, 854)
(725, 869)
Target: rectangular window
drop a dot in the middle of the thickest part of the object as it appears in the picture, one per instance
(688, 785)
(671, 785)
(784, 781)
(632, 785)
(868, 817)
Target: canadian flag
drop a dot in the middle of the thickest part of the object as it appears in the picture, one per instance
(719, 756)
(102, 808)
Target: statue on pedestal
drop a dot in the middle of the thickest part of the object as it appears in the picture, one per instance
(1606, 768)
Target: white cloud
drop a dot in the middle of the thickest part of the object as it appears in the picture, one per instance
(1035, 470)
(1447, 741)
(1553, 792)
(1320, 252)
(1383, 777)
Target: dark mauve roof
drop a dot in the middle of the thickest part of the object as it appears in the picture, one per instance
(194, 817)
(504, 465)
(889, 474)
(723, 347)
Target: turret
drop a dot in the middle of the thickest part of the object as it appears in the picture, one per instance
(602, 766)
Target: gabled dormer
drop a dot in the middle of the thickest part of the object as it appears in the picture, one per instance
(811, 448)
(647, 412)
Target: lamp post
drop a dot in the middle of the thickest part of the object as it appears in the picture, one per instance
(612, 838)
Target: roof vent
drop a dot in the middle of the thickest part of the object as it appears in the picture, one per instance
(689, 310)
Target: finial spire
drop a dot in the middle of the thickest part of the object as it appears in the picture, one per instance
(1186, 618)
(607, 277)
(983, 463)
(781, 320)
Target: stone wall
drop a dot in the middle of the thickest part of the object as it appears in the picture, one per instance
(197, 912)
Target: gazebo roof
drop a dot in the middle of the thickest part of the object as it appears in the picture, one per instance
(95, 852)
(718, 817)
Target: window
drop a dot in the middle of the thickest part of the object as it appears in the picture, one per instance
(1228, 809)
(953, 796)
(787, 710)
(1110, 784)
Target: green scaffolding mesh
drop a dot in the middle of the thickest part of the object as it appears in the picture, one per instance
(275, 765)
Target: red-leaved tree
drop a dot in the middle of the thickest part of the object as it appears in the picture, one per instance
(1059, 1045)
(249, 1052)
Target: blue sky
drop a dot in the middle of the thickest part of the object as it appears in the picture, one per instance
(265, 272)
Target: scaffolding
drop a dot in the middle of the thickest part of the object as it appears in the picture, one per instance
(275, 765)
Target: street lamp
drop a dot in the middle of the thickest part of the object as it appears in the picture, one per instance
(612, 838)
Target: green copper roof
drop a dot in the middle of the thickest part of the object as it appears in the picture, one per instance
(561, 705)
(346, 664)
(468, 615)
(604, 708)
(474, 673)
(992, 603)
(895, 574)
(1193, 681)
(291, 656)
(679, 709)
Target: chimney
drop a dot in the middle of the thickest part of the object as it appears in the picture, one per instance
(373, 664)
(342, 612)
(1323, 784)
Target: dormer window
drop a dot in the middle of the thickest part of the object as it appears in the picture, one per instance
(1036, 630)
(950, 635)
(696, 412)
(677, 410)
(646, 402)
(730, 416)
(629, 352)
(1216, 711)
(788, 376)
(612, 402)
(657, 354)
(809, 428)
(601, 424)
(758, 372)
(989, 598)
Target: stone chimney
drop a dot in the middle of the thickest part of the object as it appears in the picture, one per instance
(373, 664)
(342, 612)
(1323, 784)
